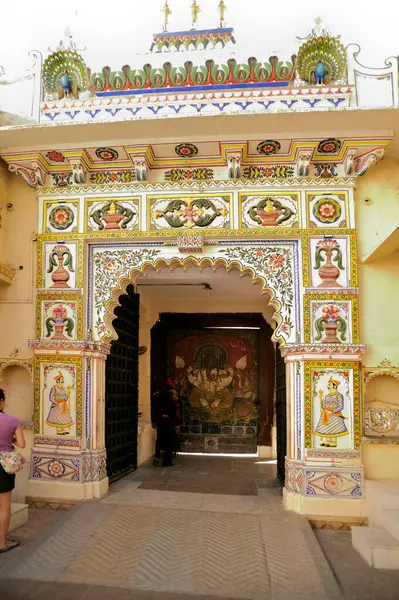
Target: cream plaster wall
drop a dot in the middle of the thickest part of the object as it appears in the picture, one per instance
(17, 313)
(379, 293)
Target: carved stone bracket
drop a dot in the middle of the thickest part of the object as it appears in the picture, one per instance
(7, 273)
(79, 170)
(33, 173)
(303, 162)
(349, 164)
(363, 163)
(234, 162)
(141, 165)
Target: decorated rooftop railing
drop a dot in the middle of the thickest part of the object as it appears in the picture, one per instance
(324, 75)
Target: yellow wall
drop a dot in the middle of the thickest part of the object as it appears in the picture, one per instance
(379, 293)
(17, 314)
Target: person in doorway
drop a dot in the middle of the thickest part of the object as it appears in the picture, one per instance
(166, 417)
(11, 433)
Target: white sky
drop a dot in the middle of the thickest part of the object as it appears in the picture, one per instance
(114, 32)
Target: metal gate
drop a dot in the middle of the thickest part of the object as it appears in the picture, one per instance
(121, 400)
(281, 415)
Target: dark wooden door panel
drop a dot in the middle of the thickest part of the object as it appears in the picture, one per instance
(122, 389)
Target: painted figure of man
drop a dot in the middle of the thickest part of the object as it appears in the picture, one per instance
(331, 424)
(59, 415)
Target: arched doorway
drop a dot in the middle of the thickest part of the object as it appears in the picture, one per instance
(122, 380)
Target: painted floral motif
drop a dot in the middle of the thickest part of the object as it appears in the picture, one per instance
(108, 268)
(330, 323)
(191, 212)
(275, 172)
(189, 175)
(327, 210)
(55, 156)
(276, 265)
(268, 147)
(329, 146)
(56, 468)
(61, 217)
(58, 322)
(107, 154)
(104, 177)
(186, 150)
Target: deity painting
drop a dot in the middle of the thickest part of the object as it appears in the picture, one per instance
(217, 380)
(59, 415)
(331, 424)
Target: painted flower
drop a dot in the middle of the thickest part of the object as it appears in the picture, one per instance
(284, 328)
(259, 253)
(330, 312)
(268, 147)
(56, 468)
(106, 154)
(327, 210)
(186, 150)
(55, 156)
(108, 263)
(102, 328)
(329, 146)
(276, 261)
(61, 217)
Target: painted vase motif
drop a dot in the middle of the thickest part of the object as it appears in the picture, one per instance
(60, 257)
(270, 212)
(330, 323)
(114, 215)
(328, 272)
(58, 322)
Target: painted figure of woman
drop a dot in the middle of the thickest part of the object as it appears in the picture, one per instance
(331, 424)
(59, 415)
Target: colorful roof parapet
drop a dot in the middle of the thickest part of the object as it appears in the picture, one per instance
(274, 73)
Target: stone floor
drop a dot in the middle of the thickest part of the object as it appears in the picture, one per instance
(207, 528)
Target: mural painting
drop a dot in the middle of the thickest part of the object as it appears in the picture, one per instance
(218, 382)
(189, 212)
(112, 214)
(269, 211)
(58, 399)
(332, 420)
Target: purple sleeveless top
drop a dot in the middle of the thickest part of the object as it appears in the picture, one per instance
(8, 425)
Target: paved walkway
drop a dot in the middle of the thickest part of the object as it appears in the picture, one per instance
(205, 528)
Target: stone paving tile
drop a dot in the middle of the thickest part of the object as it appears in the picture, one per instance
(234, 560)
(46, 561)
(172, 558)
(115, 549)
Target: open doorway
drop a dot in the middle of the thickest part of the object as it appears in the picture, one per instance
(223, 367)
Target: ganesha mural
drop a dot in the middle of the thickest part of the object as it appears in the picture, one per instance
(217, 377)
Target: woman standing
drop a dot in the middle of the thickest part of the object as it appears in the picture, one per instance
(11, 433)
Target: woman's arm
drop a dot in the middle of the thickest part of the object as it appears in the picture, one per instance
(19, 438)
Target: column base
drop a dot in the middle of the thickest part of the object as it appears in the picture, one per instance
(55, 492)
(323, 507)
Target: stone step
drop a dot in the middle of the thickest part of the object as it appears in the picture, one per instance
(19, 515)
(378, 548)
(389, 520)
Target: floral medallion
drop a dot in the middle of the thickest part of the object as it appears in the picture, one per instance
(268, 147)
(106, 154)
(329, 146)
(56, 468)
(186, 150)
(61, 217)
(327, 210)
(55, 156)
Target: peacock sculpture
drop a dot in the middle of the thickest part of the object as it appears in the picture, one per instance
(321, 60)
(65, 74)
